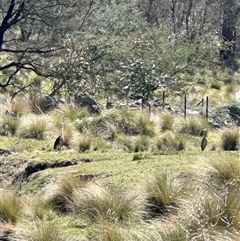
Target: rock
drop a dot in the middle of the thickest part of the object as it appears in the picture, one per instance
(228, 115)
(85, 100)
(48, 103)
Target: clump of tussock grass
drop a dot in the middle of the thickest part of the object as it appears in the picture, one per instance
(97, 204)
(99, 144)
(12, 123)
(163, 192)
(33, 127)
(19, 107)
(231, 140)
(169, 232)
(84, 143)
(36, 208)
(10, 206)
(62, 192)
(141, 143)
(213, 211)
(72, 113)
(169, 142)
(125, 122)
(167, 121)
(41, 231)
(125, 142)
(194, 126)
(225, 170)
(107, 231)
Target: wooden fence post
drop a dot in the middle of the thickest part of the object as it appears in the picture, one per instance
(185, 105)
(163, 99)
(207, 107)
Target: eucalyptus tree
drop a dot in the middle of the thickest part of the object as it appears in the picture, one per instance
(32, 33)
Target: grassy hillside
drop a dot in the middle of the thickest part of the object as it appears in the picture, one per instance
(134, 177)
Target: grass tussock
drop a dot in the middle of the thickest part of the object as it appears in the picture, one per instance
(230, 140)
(225, 170)
(194, 126)
(10, 206)
(73, 113)
(97, 204)
(34, 127)
(41, 231)
(84, 143)
(11, 123)
(167, 121)
(36, 209)
(214, 210)
(141, 143)
(62, 192)
(163, 192)
(169, 142)
(19, 107)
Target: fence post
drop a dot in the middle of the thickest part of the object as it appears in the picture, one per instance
(163, 99)
(207, 107)
(185, 105)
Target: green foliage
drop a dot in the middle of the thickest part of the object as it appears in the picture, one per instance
(10, 206)
(138, 156)
(83, 124)
(230, 140)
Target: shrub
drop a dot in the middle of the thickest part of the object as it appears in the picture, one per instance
(84, 143)
(194, 126)
(10, 206)
(97, 204)
(230, 140)
(34, 128)
(167, 121)
(83, 124)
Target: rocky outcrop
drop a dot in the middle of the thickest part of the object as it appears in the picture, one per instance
(228, 115)
(85, 100)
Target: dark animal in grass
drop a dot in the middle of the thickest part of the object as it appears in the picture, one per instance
(59, 141)
(204, 140)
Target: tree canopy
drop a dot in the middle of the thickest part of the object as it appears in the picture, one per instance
(105, 47)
